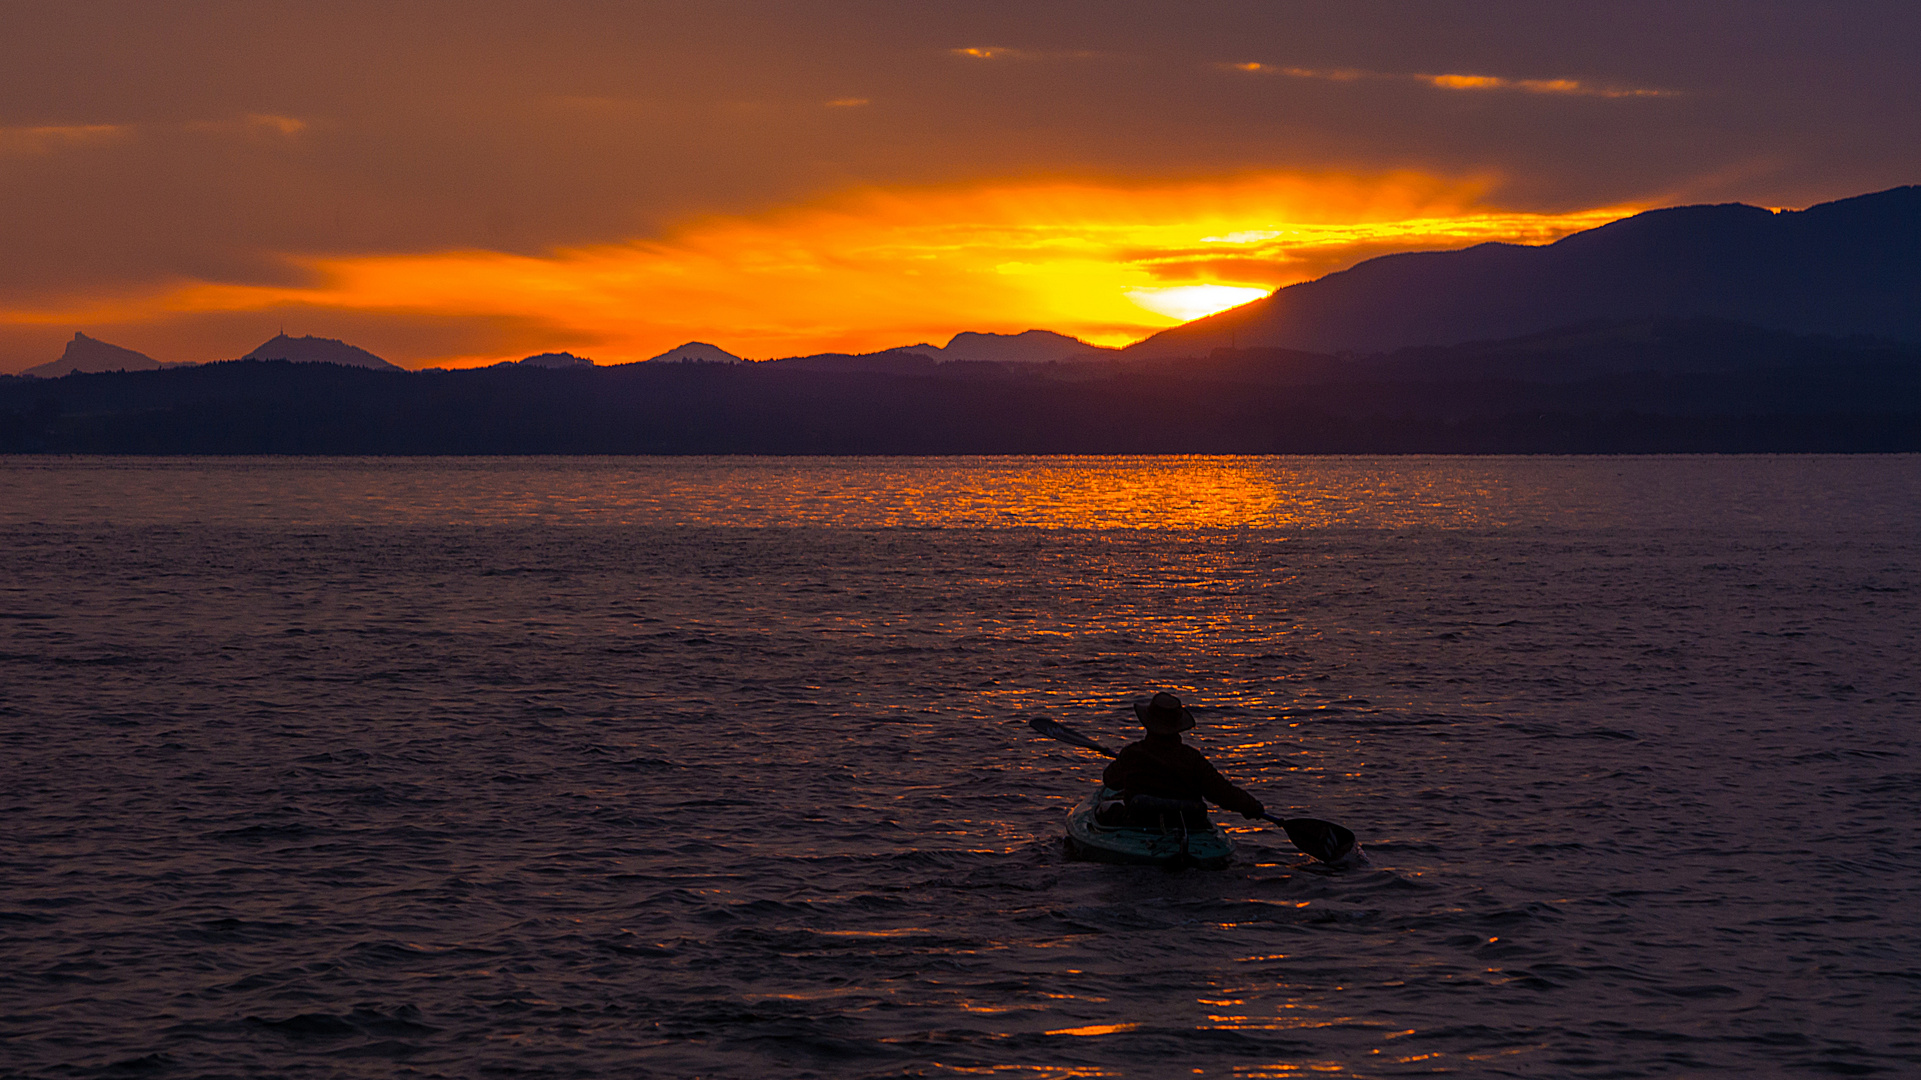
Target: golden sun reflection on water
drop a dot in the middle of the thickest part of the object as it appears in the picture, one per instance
(1095, 1029)
(1049, 492)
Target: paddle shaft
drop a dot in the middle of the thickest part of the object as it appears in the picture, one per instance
(1054, 729)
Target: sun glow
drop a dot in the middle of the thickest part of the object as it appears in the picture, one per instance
(1107, 262)
(1187, 302)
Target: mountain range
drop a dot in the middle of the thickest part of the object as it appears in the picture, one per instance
(1723, 329)
(1846, 267)
(87, 354)
(1657, 386)
(91, 355)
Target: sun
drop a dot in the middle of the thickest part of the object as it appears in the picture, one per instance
(1186, 302)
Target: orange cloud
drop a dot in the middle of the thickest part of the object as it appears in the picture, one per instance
(1462, 82)
(1107, 262)
(252, 124)
(48, 138)
(1569, 87)
(989, 53)
(284, 125)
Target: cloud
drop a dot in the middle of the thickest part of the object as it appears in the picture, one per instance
(1331, 75)
(251, 124)
(848, 103)
(1106, 261)
(999, 52)
(1570, 87)
(285, 125)
(50, 138)
(995, 52)
(1565, 87)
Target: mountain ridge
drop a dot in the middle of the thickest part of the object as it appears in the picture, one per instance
(1026, 347)
(1692, 386)
(1848, 266)
(558, 360)
(318, 350)
(695, 352)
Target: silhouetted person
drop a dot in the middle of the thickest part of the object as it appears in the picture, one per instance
(1163, 767)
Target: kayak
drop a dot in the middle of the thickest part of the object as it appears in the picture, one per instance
(1170, 844)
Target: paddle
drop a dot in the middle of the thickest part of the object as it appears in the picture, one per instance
(1324, 840)
(1054, 729)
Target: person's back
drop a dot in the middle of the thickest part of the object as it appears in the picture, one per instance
(1162, 766)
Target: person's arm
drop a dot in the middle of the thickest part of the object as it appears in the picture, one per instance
(1221, 792)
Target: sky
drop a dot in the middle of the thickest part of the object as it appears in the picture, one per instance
(461, 183)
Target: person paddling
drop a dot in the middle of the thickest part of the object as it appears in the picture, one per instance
(1163, 767)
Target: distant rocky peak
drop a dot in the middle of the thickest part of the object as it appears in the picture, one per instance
(91, 355)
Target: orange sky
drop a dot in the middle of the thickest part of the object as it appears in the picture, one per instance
(461, 181)
(1108, 263)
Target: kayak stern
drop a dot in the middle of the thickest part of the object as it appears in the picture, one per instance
(1171, 846)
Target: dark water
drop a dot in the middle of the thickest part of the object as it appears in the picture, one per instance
(720, 769)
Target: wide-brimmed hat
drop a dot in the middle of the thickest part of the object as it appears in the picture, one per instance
(1163, 714)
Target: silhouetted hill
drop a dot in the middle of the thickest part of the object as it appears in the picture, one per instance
(1027, 347)
(1847, 267)
(318, 350)
(91, 354)
(889, 362)
(695, 352)
(1563, 356)
(1632, 387)
(555, 360)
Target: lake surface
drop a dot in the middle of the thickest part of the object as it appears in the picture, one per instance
(720, 767)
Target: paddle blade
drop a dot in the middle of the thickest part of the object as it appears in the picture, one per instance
(1054, 729)
(1324, 840)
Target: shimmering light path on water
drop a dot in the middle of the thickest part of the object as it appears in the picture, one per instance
(719, 768)
(964, 493)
